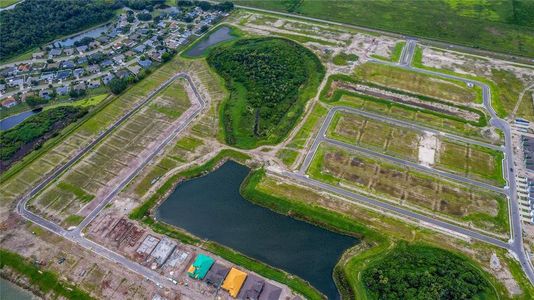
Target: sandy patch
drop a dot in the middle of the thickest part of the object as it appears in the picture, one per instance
(428, 145)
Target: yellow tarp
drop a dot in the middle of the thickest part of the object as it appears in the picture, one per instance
(233, 281)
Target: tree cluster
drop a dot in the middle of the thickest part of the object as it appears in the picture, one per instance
(423, 272)
(207, 6)
(34, 22)
(33, 132)
(117, 85)
(272, 71)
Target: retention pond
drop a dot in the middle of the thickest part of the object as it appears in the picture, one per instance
(220, 35)
(211, 207)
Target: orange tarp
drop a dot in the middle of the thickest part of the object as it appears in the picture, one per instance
(233, 281)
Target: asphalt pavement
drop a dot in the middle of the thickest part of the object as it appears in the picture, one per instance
(76, 235)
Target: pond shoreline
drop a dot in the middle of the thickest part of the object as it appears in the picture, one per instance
(224, 216)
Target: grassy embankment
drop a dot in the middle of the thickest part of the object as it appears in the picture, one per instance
(47, 282)
(503, 26)
(395, 53)
(343, 59)
(268, 89)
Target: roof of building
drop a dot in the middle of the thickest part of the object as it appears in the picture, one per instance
(216, 274)
(200, 266)
(270, 292)
(234, 281)
(252, 287)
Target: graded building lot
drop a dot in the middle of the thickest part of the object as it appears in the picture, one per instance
(506, 79)
(431, 86)
(97, 172)
(420, 116)
(472, 161)
(323, 39)
(485, 210)
(20, 182)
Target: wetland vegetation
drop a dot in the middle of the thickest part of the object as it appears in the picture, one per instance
(270, 80)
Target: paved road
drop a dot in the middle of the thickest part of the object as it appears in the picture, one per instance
(76, 235)
(417, 127)
(515, 244)
(398, 210)
(407, 53)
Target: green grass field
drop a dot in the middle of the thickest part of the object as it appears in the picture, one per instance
(502, 26)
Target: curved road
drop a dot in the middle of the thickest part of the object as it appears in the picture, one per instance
(514, 245)
(76, 235)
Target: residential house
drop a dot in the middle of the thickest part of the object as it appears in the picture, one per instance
(48, 76)
(82, 60)
(119, 59)
(93, 84)
(67, 64)
(10, 71)
(38, 55)
(156, 55)
(145, 63)
(128, 43)
(55, 52)
(81, 49)
(62, 90)
(106, 63)
(93, 69)
(103, 39)
(122, 74)
(107, 78)
(68, 51)
(79, 87)
(134, 69)
(15, 81)
(63, 74)
(129, 53)
(52, 66)
(24, 68)
(46, 94)
(9, 102)
(94, 44)
(32, 80)
(78, 72)
(140, 48)
(116, 46)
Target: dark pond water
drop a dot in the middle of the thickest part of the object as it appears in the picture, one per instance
(220, 35)
(212, 208)
(10, 291)
(14, 120)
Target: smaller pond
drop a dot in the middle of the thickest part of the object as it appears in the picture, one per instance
(220, 35)
(94, 33)
(211, 207)
(14, 120)
(9, 290)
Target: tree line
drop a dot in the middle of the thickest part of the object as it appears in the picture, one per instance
(34, 22)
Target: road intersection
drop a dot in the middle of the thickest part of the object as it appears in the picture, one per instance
(76, 235)
(515, 243)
